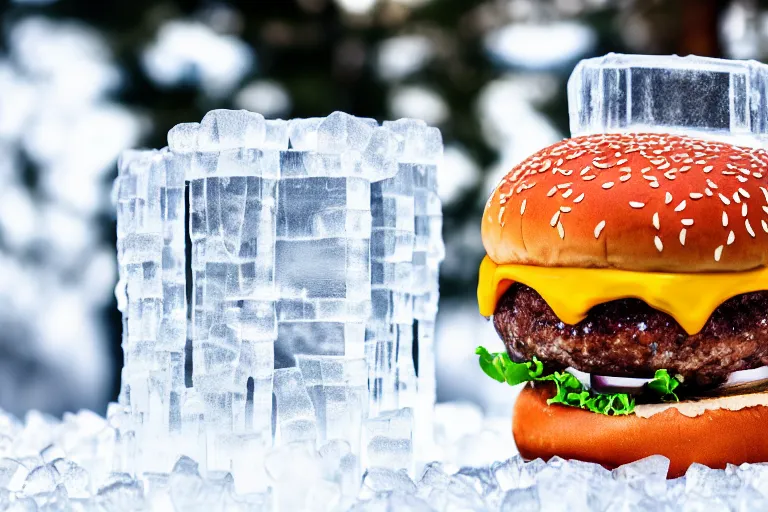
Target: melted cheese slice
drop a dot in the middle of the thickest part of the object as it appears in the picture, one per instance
(571, 292)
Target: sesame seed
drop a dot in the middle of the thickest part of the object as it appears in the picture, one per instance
(626, 169)
(765, 209)
(559, 162)
(696, 195)
(724, 199)
(645, 170)
(718, 252)
(654, 184)
(687, 222)
(552, 192)
(725, 219)
(565, 209)
(685, 168)
(749, 228)
(584, 171)
(589, 178)
(701, 162)
(636, 204)
(555, 217)
(736, 197)
(579, 198)
(501, 213)
(601, 165)
(731, 238)
(765, 225)
(650, 178)
(625, 177)
(560, 230)
(564, 185)
(522, 206)
(711, 184)
(599, 228)
(667, 198)
(663, 166)
(744, 193)
(708, 192)
(682, 236)
(568, 193)
(670, 175)
(741, 179)
(708, 168)
(607, 185)
(744, 209)
(657, 243)
(622, 161)
(655, 220)
(680, 207)
(765, 193)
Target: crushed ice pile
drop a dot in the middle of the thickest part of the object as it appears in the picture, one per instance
(48, 464)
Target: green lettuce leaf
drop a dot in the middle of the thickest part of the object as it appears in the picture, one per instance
(664, 385)
(570, 392)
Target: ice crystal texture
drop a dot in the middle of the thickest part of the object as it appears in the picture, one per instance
(313, 256)
(74, 464)
(712, 98)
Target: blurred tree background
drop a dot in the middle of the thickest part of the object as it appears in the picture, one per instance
(82, 80)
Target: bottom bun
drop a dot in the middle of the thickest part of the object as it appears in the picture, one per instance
(714, 438)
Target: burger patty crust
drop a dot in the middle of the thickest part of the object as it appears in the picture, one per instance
(628, 338)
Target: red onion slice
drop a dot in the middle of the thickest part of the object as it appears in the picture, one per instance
(632, 385)
(740, 380)
(582, 377)
(741, 377)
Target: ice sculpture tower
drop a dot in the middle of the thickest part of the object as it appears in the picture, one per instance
(312, 266)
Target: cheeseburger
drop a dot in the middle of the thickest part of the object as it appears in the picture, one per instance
(626, 275)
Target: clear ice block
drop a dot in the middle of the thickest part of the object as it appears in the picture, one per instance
(704, 97)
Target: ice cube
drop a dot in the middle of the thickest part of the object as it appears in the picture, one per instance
(511, 474)
(378, 480)
(520, 500)
(74, 478)
(389, 440)
(706, 482)
(55, 500)
(303, 133)
(392, 501)
(41, 479)
(182, 138)
(481, 479)
(13, 474)
(231, 129)
(655, 466)
(340, 132)
(340, 465)
(295, 412)
(443, 491)
(185, 484)
(52, 452)
(122, 496)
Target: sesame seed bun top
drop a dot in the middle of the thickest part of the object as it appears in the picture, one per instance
(644, 201)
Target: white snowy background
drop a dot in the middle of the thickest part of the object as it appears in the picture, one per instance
(63, 122)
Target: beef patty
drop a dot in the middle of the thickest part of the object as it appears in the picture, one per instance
(628, 338)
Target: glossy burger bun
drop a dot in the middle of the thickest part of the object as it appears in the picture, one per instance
(714, 438)
(647, 202)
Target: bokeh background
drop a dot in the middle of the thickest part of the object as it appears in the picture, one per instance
(82, 80)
